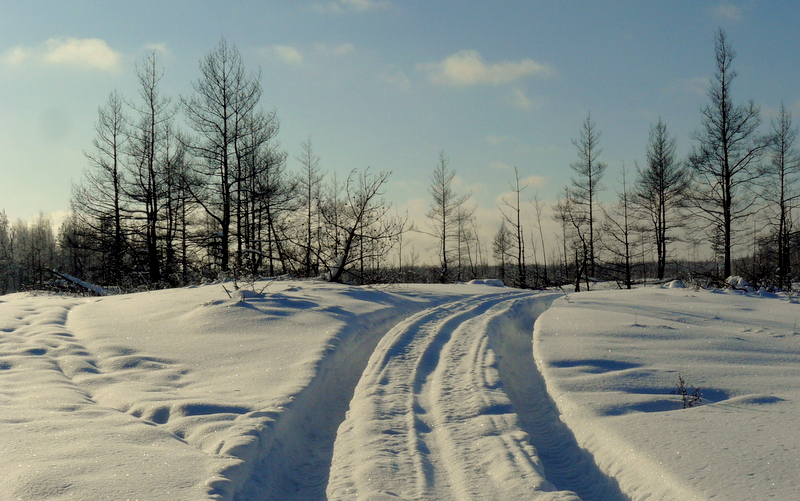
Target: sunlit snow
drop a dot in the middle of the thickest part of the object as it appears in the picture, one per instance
(310, 390)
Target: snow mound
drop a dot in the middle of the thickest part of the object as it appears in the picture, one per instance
(676, 284)
(493, 282)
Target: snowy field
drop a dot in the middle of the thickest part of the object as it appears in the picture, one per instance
(312, 390)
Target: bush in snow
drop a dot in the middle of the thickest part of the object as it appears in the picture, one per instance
(689, 399)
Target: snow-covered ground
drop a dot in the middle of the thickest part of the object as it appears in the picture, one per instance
(312, 390)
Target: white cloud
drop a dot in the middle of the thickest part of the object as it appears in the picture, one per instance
(395, 78)
(286, 53)
(342, 6)
(86, 53)
(17, 55)
(728, 12)
(467, 67)
(299, 57)
(328, 51)
(91, 53)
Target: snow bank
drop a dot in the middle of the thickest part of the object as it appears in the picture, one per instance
(186, 393)
(611, 360)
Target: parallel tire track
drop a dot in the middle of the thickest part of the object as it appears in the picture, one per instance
(429, 418)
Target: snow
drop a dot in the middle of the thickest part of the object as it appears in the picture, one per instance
(308, 390)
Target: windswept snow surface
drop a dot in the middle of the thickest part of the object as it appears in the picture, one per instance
(611, 360)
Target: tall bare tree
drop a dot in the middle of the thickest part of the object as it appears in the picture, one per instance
(724, 161)
(514, 220)
(444, 212)
(779, 184)
(147, 152)
(310, 186)
(225, 97)
(587, 185)
(98, 201)
(659, 190)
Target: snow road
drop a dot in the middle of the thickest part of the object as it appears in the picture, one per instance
(442, 410)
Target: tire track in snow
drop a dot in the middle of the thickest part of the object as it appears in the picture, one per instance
(429, 418)
(566, 464)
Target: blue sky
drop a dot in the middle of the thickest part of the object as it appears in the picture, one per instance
(388, 84)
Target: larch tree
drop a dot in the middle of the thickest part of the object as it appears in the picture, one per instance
(147, 152)
(445, 209)
(724, 161)
(224, 96)
(660, 189)
(514, 220)
(310, 186)
(98, 201)
(586, 186)
(779, 188)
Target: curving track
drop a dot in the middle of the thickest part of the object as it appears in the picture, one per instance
(448, 407)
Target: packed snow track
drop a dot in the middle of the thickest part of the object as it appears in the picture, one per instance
(451, 406)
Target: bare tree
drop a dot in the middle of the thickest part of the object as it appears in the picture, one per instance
(779, 184)
(310, 186)
(514, 220)
(444, 212)
(146, 147)
(587, 185)
(572, 218)
(99, 199)
(728, 150)
(538, 206)
(501, 249)
(660, 189)
(224, 98)
(619, 229)
(358, 218)
(6, 257)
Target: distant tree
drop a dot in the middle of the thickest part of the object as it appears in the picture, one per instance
(619, 228)
(148, 156)
(310, 188)
(224, 98)
(779, 188)
(444, 212)
(501, 249)
(538, 206)
(6, 257)
(33, 252)
(358, 217)
(660, 189)
(728, 150)
(573, 219)
(99, 201)
(586, 187)
(514, 219)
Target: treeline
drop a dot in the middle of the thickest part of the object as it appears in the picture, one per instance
(180, 191)
(736, 192)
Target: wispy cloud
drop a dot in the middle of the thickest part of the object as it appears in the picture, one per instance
(728, 12)
(297, 57)
(395, 78)
(159, 48)
(342, 6)
(467, 67)
(285, 53)
(517, 98)
(84, 53)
